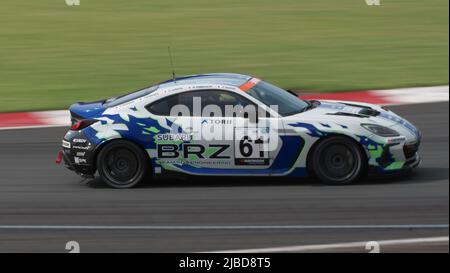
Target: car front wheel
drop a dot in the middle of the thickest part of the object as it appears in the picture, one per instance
(338, 160)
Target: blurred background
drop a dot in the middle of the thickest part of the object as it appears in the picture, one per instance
(52, 54)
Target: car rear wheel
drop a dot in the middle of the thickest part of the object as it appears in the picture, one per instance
(122, 164)
(338, 160)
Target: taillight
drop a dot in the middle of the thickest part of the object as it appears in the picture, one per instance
(81, 124)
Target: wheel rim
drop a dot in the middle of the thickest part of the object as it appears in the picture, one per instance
(338, 162)
(121, 166)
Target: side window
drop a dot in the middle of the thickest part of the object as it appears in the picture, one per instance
(228, 100)
(219, 98)
(162, 107)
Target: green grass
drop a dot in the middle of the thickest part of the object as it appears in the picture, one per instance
(52, 55)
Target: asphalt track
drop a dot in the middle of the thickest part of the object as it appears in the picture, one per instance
(43, 206)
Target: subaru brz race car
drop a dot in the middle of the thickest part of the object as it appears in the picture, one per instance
(233, 125)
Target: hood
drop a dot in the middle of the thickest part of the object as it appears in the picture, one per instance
(86, 110)
(363, 113)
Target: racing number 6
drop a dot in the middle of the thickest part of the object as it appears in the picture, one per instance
(245, 148)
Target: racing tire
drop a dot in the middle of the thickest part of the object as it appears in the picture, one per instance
(338, 160)
(122, 164)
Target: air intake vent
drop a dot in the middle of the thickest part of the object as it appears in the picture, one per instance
(410, 150)
(369, 112)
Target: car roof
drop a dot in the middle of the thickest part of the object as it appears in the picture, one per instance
(212, 78)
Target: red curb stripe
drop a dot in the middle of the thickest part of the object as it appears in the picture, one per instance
(19, 119)
(359, 96)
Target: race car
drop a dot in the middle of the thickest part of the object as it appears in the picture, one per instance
(225, 124)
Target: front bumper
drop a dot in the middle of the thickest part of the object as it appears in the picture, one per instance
(397, 157)
(413, 162)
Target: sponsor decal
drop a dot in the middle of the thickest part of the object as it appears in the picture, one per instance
(251, 146)
(187, 150)
(252, 161)
(217, 121)
(173, 137)
(81, 147)
(79, 140)
(79, 160)
(395, 140)
(81, 154)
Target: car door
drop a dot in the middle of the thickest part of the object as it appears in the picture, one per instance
(254, 144)
(228, 131)
(200, 137)
(239, 137)
(217, 132)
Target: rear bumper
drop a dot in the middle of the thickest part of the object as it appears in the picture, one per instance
(81, 169)
(78, 153)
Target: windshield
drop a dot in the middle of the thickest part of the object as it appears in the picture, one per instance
(131, 96)
(269, 94)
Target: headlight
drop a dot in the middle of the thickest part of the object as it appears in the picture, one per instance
(381, 130)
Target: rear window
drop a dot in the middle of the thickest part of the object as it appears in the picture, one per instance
(131, 96)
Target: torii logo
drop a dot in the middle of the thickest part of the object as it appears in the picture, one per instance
(373, 2)
(73, 2)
